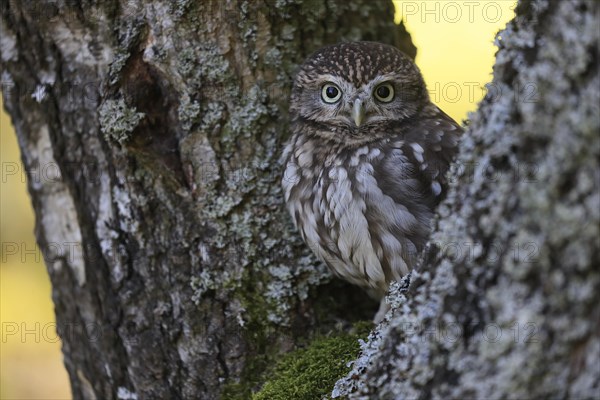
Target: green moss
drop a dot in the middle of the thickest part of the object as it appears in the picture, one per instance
(311, 372)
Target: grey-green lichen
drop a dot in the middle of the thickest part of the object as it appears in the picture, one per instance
(204, 66)
(180, 7)
(508, 308)
(131, 28)
(188, 111)
(245, 116)
(209, 280)
(196, 198)
(232, 95)
(247, 188)
(212, 113)
(117, 120)
(119, 60)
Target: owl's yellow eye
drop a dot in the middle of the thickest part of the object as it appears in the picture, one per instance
(330, 93)
(384, 92)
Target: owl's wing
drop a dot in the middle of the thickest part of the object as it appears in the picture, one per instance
(434, 144)
(410, 171)
(413, 170)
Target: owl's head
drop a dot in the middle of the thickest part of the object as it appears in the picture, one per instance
(357, 88)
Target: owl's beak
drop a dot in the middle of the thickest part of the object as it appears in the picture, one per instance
(358, 112)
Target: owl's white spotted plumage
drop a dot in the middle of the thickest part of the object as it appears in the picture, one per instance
(365, 165)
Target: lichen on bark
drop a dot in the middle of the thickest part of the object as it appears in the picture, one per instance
(188, 257)
(507, 305)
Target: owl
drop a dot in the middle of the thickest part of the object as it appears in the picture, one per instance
(365, 165)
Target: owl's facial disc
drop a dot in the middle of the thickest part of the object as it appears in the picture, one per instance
(357, 106)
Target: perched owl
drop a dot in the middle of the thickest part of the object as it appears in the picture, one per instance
(365, 164)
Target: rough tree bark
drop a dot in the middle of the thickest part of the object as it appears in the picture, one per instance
(175, 269)
(507, 307)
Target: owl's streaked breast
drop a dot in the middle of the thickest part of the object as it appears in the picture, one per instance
(362, 233)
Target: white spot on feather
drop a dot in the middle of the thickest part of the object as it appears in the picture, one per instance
(436, 188)
(417, 151)
(374, 153)
(305, 159)
(290, 179)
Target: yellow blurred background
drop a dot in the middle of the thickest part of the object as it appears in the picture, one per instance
(455, 53)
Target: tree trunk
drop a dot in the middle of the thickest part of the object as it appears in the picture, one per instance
(175, 269)
(506, 306)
